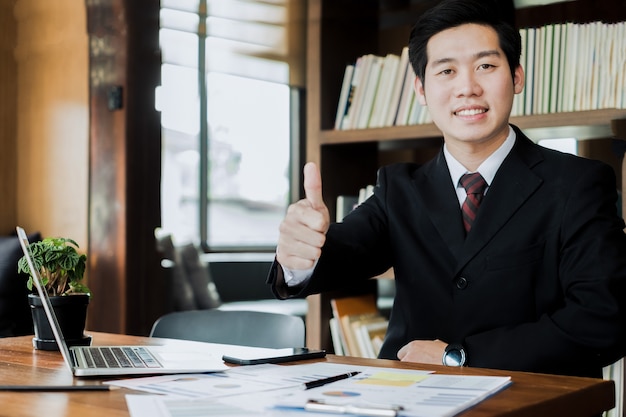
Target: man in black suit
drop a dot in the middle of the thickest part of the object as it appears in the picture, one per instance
(538, 281)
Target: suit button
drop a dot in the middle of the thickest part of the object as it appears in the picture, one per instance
(461, 283)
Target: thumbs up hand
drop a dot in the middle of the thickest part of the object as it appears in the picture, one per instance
(303, 230)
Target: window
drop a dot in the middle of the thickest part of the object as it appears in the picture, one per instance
(231, 77)
(567, 145)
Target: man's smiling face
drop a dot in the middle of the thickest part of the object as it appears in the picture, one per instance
(467, 85)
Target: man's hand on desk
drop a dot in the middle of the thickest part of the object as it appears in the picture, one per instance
(423, 351)
(303, 230)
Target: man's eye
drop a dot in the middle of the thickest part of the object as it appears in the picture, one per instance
(446, 72)
(486, 66)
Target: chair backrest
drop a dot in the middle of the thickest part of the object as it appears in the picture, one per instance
(190, 285)
(246, 328)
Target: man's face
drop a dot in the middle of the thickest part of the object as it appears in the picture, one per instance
(468, 86)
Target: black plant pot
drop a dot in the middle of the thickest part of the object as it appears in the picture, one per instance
(71, 313)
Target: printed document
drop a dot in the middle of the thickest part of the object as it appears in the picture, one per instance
(277, 390)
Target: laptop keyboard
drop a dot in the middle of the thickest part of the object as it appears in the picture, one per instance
(119, 357)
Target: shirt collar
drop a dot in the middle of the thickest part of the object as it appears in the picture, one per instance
(488, 168)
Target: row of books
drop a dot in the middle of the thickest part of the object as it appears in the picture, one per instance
(573, 67)
(357, 327)
(568, 67)
(347, 203)
(378, 91)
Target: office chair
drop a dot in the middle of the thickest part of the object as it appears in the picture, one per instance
(246, 328)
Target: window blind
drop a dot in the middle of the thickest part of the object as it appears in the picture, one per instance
(250, 38)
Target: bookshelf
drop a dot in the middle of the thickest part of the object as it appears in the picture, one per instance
(340, 31)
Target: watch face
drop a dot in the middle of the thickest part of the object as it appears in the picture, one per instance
(454, 356)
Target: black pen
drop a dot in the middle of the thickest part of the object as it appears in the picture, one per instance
(42, 388)
(324, 381)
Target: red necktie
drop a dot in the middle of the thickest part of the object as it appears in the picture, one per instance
(474, 185)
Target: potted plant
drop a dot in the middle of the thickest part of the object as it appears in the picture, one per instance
(61, 269)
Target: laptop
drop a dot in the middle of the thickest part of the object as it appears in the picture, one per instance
(123, 360)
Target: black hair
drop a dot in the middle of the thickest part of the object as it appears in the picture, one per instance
(452, 13)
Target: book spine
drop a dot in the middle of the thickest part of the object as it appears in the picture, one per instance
(344, 96)
(394, 100)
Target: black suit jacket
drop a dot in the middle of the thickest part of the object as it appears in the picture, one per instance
(539, 284)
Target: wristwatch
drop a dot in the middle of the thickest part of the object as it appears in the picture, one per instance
(454, 355)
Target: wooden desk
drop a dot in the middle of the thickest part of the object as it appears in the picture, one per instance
(531, 395)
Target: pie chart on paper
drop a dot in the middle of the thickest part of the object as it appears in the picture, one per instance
(341, 394)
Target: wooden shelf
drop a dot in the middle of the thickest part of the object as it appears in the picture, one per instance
(589, 124)
(580, 125)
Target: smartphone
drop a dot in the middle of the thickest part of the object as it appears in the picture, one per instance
(258, 356)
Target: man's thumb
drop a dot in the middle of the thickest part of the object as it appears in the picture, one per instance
(313, 185)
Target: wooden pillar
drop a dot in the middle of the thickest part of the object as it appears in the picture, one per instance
(125, 165)
(8, 117)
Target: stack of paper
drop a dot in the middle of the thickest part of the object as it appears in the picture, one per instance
(275, 390)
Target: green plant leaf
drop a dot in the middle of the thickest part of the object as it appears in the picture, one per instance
(60, 266)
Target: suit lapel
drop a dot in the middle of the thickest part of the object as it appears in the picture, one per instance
(504, 197)
(439, 200)
(514, 183)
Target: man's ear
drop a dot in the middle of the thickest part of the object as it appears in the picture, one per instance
(418, 86)
(518, 80)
